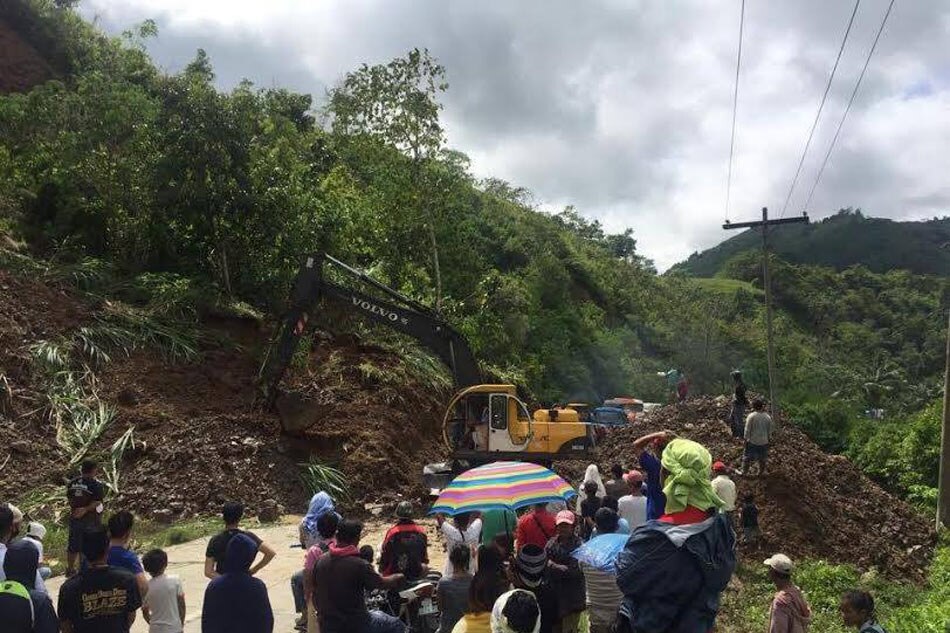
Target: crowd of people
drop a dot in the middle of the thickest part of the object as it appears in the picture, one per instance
(676, 514)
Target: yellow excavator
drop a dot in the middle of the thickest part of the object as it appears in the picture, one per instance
(482, 423)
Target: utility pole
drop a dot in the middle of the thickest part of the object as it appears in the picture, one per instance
(943, 494)
(764, 225)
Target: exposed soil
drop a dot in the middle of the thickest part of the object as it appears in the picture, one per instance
(811, 504)
(21, 66)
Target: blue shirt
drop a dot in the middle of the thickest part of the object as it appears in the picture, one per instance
(656, 500)
(124, 559)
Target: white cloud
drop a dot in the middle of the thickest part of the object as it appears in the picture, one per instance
(623, 108)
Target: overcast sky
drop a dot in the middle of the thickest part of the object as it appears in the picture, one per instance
(623, 107)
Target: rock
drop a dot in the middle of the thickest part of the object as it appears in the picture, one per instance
(164, 516)
(21, 446)
(269, 511)
(129, 397)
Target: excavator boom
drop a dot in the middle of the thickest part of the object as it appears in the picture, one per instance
(395, 311)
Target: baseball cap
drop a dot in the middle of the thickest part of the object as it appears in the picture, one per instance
(530, 565)
(634, 476)
(36, 530)
(720, 467)
(780, 563)
(565, 516)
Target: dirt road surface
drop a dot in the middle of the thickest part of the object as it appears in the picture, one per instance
(187, 562)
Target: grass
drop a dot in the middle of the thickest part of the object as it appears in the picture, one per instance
(723, 285)
(901, 607)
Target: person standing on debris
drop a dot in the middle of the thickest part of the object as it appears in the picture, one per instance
(857, 611)
(616, 487)
(790, 612)
(739, 403)
(725, 489)
(633, 506)
(464, 529)
(535, 527)
(673, 570)
(672, 380)
(564, 574)
(405, 548)
(216, 553)
(750, 520)
(758, 434)
(656, 500)
(682, 388)
(85, 495)
(235, 601)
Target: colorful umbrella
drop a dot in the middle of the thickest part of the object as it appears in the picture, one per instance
(501, 486)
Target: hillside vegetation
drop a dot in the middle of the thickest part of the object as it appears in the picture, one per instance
(168, 186)
(847, 238)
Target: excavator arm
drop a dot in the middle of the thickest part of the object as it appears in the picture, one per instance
(396, 311)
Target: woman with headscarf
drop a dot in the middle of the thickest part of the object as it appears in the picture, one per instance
(320, 504)
(673, 569)
(516, 611)
(24, 609)
(592, 474)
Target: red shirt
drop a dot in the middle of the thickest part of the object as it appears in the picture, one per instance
(535, 528)
(686, 517)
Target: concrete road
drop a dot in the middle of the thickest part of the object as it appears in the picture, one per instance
(187, 562)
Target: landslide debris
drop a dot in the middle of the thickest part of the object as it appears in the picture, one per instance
(811, 504)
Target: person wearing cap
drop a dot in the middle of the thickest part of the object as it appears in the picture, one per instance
(672, 570)
(528, 574)
(564, 575)
(516, 611)
(633, 506)
(7, 520)
(725, 488)
(35, 533)
(790, 612)
(405, 548)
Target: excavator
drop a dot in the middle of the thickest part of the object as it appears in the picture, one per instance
(482, 423)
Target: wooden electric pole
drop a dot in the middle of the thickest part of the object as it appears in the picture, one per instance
(764, 225)
(943, 494)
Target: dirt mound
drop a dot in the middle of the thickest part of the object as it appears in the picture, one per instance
(21, 66)
(200, 435)
(811, 504)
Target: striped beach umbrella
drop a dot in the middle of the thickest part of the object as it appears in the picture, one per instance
(501, 486)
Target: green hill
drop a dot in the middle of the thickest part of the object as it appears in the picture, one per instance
(839, 241)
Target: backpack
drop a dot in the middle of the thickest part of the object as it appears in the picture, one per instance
(16, 589)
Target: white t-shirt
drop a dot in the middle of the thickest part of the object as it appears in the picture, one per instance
(471, 536)
(162, 603)
(726, 489)
(633, 508)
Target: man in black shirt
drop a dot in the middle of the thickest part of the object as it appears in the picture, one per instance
(100, 599)
(84, 494)
(340, 579)
(218, 545)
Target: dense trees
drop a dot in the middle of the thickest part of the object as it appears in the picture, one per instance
(165, 173)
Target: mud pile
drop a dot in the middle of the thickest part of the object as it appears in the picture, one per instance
(811, 504)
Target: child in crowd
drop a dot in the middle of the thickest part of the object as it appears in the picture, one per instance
(164, 604)
(750, 520)
(857, 612)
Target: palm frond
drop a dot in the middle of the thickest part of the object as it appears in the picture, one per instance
(317, 476)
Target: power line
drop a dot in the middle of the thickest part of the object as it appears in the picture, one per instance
(820, 107)
(735, 103)
(854, 92)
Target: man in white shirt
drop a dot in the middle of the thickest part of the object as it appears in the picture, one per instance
(633, 506)
(725, 489)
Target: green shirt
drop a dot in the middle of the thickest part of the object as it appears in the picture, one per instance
(493, 524)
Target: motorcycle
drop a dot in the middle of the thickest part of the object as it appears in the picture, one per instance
(414, 605)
